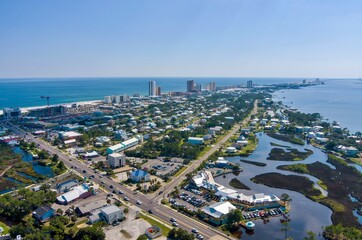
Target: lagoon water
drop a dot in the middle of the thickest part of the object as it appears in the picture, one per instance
(338, 100)
(306, 215)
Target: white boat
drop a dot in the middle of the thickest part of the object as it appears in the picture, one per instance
(250, 225)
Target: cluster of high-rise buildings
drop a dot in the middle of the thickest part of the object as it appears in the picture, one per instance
(116, 99)
(153, 89)
(192, 86)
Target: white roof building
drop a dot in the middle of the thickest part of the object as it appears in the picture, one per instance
(219, 209)
(73, 194)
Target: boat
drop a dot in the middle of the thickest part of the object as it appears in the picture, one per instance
(250, 225)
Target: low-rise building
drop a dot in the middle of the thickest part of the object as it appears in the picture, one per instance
(111, 214)
(69, 135)
(9, 113)
(66, 186)
(123, 145)
(78, 192)
(217, 213)
(43, 213)
(139, 176)
(195, 140)
(116, 160)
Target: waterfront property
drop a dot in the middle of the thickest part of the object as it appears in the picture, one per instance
(216, 213)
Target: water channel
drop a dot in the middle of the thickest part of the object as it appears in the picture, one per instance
(306, 215)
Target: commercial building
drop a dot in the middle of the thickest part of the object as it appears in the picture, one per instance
(116, 160)
(123, 145)
(152, 88)
(47, 111)
(249, 84)
(9, 113)
(216, 213)
(195, 140)
(69, 135)
(190, 86)
(109, 214)
(66, 186)
(78, 192)
(139, 176)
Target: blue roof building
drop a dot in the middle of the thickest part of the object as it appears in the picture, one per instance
(43, 213)
(139, 176)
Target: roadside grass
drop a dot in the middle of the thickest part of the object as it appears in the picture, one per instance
(180, 171)
(336, 206)
(5, 228)
(152, 220)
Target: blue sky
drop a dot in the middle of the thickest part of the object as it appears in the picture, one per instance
(254, 38)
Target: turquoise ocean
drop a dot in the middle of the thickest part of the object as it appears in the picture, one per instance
(338, 99)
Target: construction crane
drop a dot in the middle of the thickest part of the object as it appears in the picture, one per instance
(47, 98)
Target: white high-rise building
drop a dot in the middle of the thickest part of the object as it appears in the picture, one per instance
(152, 88)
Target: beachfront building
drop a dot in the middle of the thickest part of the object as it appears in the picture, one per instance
(123, 145)
(78, 192)
(195, 140)
(139, 176)
(9, 113)
(116, 160)
(217, 213)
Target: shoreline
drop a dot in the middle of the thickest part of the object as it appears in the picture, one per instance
(26, 109)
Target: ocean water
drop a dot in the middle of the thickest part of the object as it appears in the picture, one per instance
(27, 92)
(337, 100)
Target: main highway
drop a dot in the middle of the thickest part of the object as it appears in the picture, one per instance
(151, 202)
(162, 212)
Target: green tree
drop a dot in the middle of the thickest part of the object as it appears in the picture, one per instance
(311, 236)
(90, 233)
(234, 217)
(180, 234)
(55, 158)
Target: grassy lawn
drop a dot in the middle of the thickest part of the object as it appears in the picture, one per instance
(336, 206)
(322, 185)
(249, 148)
(180, 171)
(5, 228)
(357, 160)
(165, 229)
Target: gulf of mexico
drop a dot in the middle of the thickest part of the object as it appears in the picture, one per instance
(338, 100)
(27, 92)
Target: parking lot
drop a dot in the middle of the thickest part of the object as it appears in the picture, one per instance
(163, 167)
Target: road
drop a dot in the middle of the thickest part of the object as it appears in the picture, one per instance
(177, 180)
(162, 212)
(148, 202)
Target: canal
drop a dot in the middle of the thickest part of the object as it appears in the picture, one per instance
(306, 215)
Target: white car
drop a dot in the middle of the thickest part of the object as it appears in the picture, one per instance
(175, 224)
(139, 202)
(120, 192)
(194, 230)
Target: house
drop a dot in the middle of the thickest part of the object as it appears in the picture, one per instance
(70, 143)
(116, 160)
(216, 213)
(351, 151)
(221, 163)
(231, 149)
(139, 176)
(91, 154)
(43, 213)
(195, 140)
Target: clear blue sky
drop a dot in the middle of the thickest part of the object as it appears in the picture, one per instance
(260, 38)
